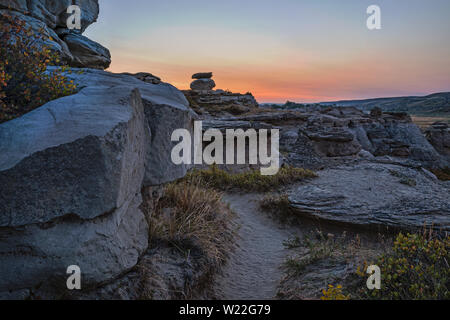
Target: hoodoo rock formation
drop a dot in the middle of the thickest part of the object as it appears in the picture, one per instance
(203, 99)
(203, 82)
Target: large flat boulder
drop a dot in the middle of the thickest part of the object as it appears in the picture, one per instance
(203, 85)
(375, 195)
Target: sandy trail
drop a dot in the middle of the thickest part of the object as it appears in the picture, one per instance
(253, 269)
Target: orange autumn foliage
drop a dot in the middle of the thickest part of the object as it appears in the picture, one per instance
(25, 82)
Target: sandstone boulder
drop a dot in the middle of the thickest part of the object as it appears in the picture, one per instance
(87, 53)
(203, 85)
(71, 174)
(202, 75)
(166, 109)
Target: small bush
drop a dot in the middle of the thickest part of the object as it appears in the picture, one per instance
(25, 83)
(416, 269)
(334, 293)
(249, 181)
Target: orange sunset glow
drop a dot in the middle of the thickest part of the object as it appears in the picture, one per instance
(288, 50)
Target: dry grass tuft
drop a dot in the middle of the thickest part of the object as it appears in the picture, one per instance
(189, 212)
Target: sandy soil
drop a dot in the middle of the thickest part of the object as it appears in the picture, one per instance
(253, 270)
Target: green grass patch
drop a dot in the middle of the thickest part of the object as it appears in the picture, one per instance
(249, 181)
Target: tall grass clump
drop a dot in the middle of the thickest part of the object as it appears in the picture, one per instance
(190, 213)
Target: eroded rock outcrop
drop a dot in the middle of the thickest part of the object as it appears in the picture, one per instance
(50, 18)
(166, 109)
(206, 101)
(313, 137)
(71, 174)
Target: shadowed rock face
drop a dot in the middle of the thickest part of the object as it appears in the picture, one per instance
(375, 195)
(51, 16)
(71, 174)
(439, 136)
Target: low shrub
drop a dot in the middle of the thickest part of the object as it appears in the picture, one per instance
(417, 268)
(334, 293)
(25, 83)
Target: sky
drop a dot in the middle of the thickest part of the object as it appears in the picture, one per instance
(296, 50)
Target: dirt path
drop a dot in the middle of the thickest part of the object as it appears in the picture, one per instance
(253, 270)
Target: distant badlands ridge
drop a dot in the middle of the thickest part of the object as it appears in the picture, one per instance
(436, 103)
